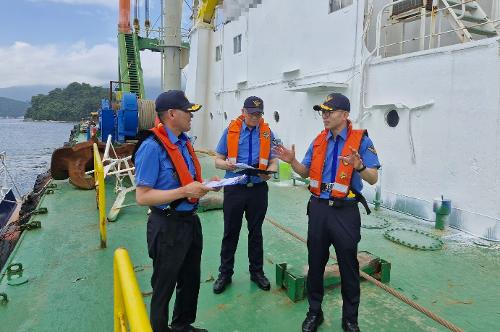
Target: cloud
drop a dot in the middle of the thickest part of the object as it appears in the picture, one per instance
(106, 3)
(24, 64)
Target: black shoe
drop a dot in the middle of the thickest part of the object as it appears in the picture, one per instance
(188, 328)
(221, 283)
(261, 281)
(312, 321)
(350, 327)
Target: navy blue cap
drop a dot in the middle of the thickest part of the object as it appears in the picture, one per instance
(254, 105)
(176, 100)
(334, 102)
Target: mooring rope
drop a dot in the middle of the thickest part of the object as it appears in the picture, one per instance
(388, 289)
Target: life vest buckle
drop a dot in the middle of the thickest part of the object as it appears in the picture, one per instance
(327, 187)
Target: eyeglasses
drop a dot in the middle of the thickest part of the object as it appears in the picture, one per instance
(325, 113)
(256, 114)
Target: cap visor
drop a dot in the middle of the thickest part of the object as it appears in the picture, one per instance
(192, 107)
(322, 107)
(254, 110)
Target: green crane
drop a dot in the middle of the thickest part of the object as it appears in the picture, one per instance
(129, 45)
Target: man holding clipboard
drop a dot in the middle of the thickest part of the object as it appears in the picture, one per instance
(247, 140)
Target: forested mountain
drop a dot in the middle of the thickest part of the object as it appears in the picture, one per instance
(12, 108)
(72, 103)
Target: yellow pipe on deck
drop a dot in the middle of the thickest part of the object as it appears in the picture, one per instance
(129, 306)
(101, 194)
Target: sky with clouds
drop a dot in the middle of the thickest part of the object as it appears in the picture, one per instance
(56, 42)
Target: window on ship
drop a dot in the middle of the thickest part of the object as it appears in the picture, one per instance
(334, 5)
(237, 44)
(218, 53)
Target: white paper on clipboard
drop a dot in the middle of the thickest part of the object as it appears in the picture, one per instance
(225, 182)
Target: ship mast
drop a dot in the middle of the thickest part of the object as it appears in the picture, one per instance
(171, 55)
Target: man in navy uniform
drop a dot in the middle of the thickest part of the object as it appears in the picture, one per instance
(168, 179)
(336, 162)
(247, 140)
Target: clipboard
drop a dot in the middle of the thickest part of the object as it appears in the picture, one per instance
(225, 182)
(254, 171)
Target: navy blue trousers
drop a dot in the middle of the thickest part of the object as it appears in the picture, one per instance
(175, 244)
(340, 227)
(251, 201)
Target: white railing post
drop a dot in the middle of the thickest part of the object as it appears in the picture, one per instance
(379, 24)
(422, 25)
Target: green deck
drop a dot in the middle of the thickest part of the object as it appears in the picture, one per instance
(70, 284)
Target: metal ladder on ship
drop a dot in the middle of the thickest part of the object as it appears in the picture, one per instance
(132, 65)
(469, 20)
(466, 17)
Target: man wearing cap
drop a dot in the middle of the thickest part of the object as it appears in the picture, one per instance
(336, 162)
(168, 180)
(247, 140)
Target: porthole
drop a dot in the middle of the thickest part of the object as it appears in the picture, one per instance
(276, 116)
(392, 118)
(225, 116)
(211, 116)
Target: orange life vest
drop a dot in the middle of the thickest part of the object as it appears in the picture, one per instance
(344, 170)
(176, 157)
(233, 138)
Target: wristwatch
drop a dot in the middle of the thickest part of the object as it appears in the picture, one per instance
(363, 167)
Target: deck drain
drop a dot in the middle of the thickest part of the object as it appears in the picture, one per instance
(375, 223)
(414, 238)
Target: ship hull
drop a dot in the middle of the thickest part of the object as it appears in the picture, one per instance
(446, 142)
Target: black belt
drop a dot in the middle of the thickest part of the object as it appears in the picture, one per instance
(170, 212)
(335, 202)
(343, 202)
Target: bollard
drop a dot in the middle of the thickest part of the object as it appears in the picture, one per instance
(442, 208)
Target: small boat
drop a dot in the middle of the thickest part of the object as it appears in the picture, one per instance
(8, 201)
(9, 213)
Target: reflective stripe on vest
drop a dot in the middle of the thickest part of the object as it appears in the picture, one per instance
(344, 170)
(233, 139)
(177, 159)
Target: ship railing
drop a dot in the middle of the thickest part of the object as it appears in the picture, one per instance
(434, 36)
(100, 194)
(129, 309)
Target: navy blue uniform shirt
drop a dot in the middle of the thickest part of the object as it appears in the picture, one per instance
(154, 168)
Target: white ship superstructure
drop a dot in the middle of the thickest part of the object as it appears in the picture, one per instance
(424, 79)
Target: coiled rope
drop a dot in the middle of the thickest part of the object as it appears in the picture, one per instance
(147, 113)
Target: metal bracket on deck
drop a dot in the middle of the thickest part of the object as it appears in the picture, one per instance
(15, 275)
(294, 282)
(34, 224)
(42, 210)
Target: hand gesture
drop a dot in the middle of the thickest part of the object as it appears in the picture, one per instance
(229, 166)
(196, 190)
(285, 154)
(353, 159)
